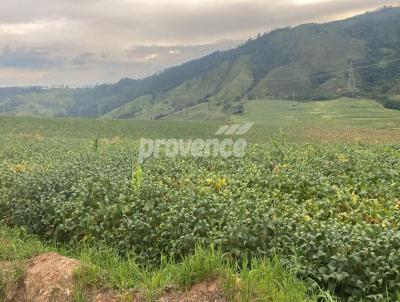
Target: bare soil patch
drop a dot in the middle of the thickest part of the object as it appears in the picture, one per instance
(48, 277)
(207, 291)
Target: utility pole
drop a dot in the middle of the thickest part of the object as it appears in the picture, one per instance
(351, 84)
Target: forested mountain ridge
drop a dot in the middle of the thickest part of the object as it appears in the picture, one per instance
(311, 61)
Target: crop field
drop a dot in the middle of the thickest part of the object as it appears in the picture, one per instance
(342, 120)
(329, 209)
(339, 121)
(340, 113)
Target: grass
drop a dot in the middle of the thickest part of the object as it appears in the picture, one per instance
(343, 120)
(102, 269)
(129, 110)
(267, 279)
(17, 245)
(260, 279)
(340, 113)
(11, 275)
(203, 111)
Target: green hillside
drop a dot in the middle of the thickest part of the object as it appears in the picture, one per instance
(202, 112)
(340, 113)
(341, 120)
(311, 61)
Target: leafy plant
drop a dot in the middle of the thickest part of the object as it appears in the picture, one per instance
(96, 144)
(137, 179)
(330, 211)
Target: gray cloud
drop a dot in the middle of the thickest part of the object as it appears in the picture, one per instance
(83, 58)
(175, 54)
(27, 58)
(85, 41)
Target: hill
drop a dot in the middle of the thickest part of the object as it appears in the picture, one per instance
(311, 61)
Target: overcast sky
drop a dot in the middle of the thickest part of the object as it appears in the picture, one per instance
(78, 42)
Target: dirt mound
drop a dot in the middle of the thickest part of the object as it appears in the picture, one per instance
(106, 298)
(207, 291)
(49, 277)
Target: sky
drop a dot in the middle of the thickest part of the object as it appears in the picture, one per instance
(84, 42)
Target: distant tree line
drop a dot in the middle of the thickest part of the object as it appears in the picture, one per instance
(390, 103)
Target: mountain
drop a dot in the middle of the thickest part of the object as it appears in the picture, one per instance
(311, 61)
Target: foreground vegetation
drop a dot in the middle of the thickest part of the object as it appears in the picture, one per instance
(331, 212)
(103, 269)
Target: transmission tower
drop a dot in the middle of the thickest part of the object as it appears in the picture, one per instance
(292, 101)
(351, 84)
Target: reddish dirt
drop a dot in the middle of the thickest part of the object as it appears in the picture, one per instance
(207, 291)
(106, 298)
(49, 277)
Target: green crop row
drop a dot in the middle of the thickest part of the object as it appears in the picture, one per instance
(332, 212)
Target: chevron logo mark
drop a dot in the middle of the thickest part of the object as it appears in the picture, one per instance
(237, 129)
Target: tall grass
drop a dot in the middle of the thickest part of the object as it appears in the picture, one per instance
(103, 269)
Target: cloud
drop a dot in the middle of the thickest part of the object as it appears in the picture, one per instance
(83, 59)
(150, 57)
(26, 58)
(80, 36)
(177, 53)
